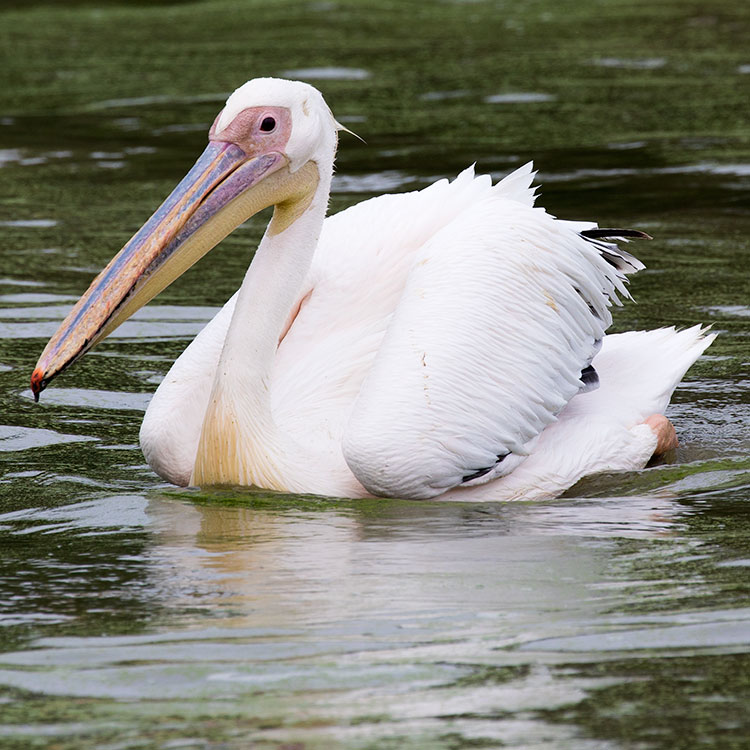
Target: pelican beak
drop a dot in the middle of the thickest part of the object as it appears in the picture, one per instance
(223, 189)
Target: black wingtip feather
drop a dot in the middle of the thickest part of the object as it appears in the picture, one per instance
(603, 241)
(612, 234)
(589, 379)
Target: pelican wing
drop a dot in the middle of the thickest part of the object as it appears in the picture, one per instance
(501, 311)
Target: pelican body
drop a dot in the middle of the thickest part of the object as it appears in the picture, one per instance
(444, 342)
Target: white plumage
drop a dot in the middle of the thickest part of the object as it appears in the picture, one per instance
(433, 347)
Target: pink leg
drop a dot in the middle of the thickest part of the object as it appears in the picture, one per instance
(665, 433)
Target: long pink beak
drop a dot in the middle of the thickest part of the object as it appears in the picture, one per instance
(149, 261)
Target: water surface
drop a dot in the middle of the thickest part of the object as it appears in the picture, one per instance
(134, 615)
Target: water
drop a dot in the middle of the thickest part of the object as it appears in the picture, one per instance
(134, 615)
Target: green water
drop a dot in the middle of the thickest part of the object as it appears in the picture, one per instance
(133, 615)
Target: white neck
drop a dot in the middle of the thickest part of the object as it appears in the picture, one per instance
(240, 442)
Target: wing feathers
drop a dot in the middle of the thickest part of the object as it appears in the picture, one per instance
(502, 310)
(517, 185)
(617, 257)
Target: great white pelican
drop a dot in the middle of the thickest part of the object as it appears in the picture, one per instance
(448, 341)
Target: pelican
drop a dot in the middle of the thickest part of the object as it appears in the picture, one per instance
(443, 342)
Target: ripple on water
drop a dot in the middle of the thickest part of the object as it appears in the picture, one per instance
(627, 145)
(700, 168)
(23, 158)
(728, 311)
(519, 97)
(145, 101)
(93, 399)
(373, 182)
(49, 312)
(631, 517)
(329, 73)
(14, 438)
(440, 96)
(713, 632)
(189, 678)
(10, 156)
(27, 298)
(21, 282)
(14, 619)
(642, 63)
(29, 223)
(120, 512)
(152, 322)
(176, 312)
(127, 123)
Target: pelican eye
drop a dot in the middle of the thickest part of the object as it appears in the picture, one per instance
(267, 125)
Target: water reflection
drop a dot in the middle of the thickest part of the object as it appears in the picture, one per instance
(373, 619)
(259, 565)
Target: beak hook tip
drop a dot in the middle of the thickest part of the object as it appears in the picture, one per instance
(38, 383)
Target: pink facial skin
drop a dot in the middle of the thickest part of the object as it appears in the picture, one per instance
(251, 130)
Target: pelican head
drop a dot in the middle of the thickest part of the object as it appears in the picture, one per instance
(273, 144)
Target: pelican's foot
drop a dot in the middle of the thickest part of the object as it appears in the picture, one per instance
(666, 437)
